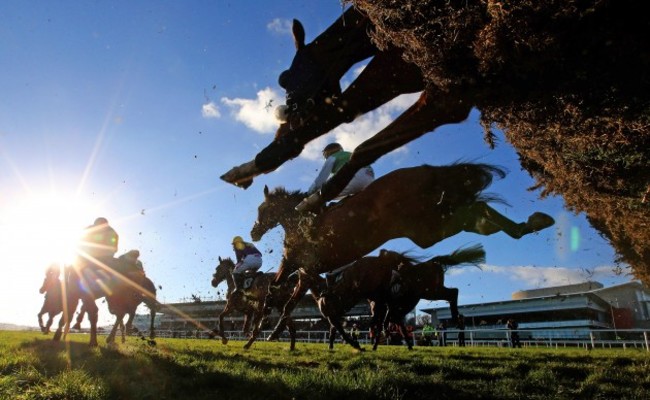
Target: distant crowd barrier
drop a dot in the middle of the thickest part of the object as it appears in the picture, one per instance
(588, 339)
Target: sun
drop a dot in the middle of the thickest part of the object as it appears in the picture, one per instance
(41, 230)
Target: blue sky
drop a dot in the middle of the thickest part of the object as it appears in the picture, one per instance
(132, 111)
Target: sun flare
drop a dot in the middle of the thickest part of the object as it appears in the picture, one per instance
(42, 230)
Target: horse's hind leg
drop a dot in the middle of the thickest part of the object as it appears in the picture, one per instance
(219, 331)
(292, 333)
(257, 322)
(485, 220)
(332, 337)
(92, 310)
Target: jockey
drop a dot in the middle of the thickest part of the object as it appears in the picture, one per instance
(335, 158)
(99, 241)
(131, 265)
(98, 246)
(249, 260)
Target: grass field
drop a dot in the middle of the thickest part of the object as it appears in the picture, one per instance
(34, 367)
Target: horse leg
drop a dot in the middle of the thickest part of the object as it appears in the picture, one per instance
(404, 332)
(451, 295)
(48, 325)
(68, 311)
(332, 337)
(335, 322)
(424, 116)
(482, 219)
(92, 310)
(40, 321)
(110, 339)
(292, 333)
(80, 317)
(298, 293)
(379, 314)
(257, 322)
(246, 329)
(226, 311)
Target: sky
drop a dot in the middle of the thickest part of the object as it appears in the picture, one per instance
(132, 111)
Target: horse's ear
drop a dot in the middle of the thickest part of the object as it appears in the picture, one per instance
(266, 191)
(220, 260)
(298, 34)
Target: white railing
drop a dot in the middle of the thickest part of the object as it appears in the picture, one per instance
(554, 338)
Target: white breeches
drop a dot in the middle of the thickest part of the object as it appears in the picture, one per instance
(364, 177)
(251, 262)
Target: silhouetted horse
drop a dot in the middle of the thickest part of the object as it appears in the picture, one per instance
(251, 302)
(366, 279)
(53, 301)
(422, 281)
(424, 204)
(123, 293)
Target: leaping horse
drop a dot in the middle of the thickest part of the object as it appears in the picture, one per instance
(425, 204)
(422, 281)
(366, 279)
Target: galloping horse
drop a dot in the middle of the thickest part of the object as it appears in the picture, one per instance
(53, 301)
(366, 279)
(252, 302)
(425, 204)
(123, 293)
(223, 272)
(423, 280)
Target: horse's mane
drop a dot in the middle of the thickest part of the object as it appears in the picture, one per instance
(281, 191)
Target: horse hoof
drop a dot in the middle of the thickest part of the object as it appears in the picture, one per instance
(152, 343)
(224, 341)
(538, 221)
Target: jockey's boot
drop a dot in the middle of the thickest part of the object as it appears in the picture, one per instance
(238, 280)
(312, 203)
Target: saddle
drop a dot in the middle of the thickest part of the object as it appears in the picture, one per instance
(249, 278)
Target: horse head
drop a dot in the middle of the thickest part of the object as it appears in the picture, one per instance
(317, 67)
(277, 207)
(52, 274)
(223, 271)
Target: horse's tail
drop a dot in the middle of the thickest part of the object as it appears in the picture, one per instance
(472, 255)
(149, 294)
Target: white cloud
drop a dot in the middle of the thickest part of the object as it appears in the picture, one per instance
(539, 277)
(278, 25)
(257, 114)
(361, 129)
(210, 110)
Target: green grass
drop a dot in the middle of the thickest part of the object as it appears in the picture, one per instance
(34, 367)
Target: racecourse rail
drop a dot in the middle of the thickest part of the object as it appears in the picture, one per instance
(554, 338)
